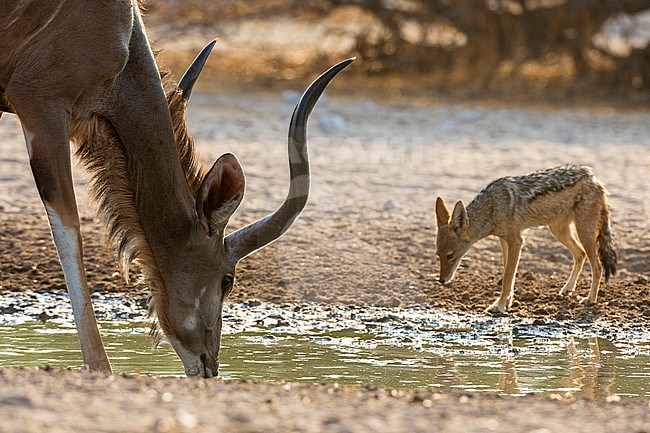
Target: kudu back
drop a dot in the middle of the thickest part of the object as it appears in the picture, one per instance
(84, 71)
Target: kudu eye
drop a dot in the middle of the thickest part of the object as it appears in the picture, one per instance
(227, 281)
(450, 256)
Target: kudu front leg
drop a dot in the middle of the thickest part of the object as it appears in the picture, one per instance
(512, 248)
(46, 135)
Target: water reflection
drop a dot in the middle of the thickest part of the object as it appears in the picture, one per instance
(589, 370)
(506, 360)
(592, 371)
(508, 382)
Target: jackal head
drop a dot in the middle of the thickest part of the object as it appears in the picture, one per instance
(453, 239)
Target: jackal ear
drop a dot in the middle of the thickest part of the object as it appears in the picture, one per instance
(220, 193)
(442, 214)
(459, 219)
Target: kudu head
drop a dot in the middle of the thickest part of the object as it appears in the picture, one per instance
(203, 269)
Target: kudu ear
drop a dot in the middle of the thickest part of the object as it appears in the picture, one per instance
(220, 193)
(459, 219)
(442, 214)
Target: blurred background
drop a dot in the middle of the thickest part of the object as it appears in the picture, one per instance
(517, 50)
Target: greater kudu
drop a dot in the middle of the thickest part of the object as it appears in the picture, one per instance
(84, 71)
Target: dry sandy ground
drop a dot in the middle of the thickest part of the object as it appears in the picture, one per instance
(368, 233)
(366, 237)
(64, 401)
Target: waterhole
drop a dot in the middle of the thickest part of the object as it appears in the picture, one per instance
(373, 346)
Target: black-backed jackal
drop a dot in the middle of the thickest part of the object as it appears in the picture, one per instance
(569, 200)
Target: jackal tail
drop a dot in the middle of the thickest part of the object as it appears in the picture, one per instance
(606, 249)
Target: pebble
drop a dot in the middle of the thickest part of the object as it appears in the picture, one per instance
(16, 400)
(641, 280)
(186, 419)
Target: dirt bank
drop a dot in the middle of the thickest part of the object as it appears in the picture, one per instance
(41, 400)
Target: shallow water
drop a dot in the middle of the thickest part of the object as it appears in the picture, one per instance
(376, 346)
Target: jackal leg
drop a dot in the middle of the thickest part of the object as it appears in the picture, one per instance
(513, 247)
(46, 135)
(504, 253)
(562, 233)
(587, 228)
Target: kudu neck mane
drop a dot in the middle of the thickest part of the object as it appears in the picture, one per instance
(114, 188)
(193, 168)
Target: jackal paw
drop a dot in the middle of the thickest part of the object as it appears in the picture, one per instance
(496, 309)
(587, 301)
(565, 292)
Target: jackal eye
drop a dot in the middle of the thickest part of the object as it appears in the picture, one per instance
(450, 256)
(227, 281)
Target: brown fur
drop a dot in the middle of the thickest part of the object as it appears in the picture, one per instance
(99, 149)
(193, 168)
(606, 250)
(98, 144)
(566, 199)
(84, 71)
(101, 152)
